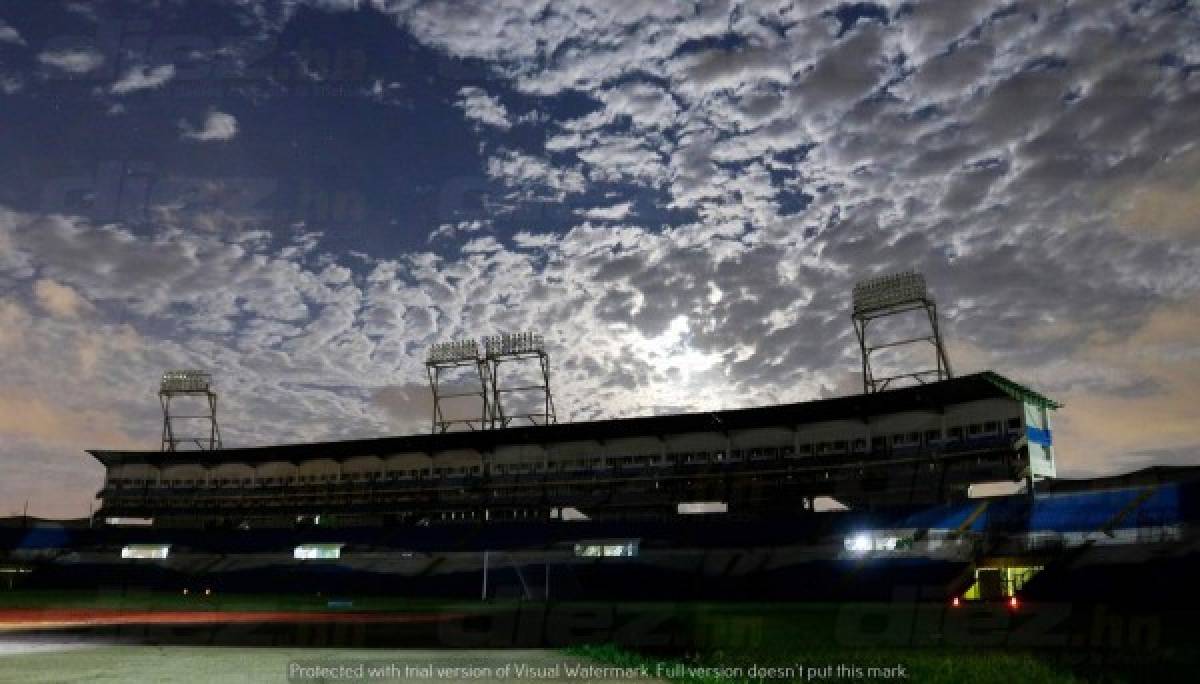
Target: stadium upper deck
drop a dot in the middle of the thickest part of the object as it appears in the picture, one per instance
(918, 444)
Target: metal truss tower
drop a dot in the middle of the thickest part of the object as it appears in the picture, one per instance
(446, 357)
(194, 384)
(519, 348)
(892, 295)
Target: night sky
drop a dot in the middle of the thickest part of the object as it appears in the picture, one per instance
(301, 196)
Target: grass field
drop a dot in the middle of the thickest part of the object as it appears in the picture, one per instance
(706, 642)
(804, 643)
(808, 643)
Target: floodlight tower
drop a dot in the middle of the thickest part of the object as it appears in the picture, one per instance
(891, 295)
(446, 357)
(519, 347)
(195, 384)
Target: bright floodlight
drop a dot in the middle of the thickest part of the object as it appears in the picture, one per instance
(317, 552)
(185, 381)
(457, 350)
(890, 290)
(859, 543)
(146, 551)
(513, 343)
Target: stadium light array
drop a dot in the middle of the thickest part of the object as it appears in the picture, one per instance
(889, 290)
(457, 350)
(185, 381)
(513, 343)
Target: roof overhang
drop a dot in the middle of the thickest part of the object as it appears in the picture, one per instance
(928, 397)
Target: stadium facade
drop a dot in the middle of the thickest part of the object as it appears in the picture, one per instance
(921, 444)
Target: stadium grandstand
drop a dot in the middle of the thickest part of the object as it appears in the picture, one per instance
(921, 444)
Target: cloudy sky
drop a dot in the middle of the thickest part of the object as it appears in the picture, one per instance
(302, 196)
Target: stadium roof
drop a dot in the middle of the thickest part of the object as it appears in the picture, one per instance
(1150, 475)
(932, 396)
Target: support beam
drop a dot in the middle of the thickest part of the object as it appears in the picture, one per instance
(890, 296)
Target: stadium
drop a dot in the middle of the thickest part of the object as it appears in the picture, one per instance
(919, 524)
(853, 497)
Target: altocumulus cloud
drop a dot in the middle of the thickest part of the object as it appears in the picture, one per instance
(9, 34)
(143, 77)
(478, 106)
(74, 61)
(218, 126)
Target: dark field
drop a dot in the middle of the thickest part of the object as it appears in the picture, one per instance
(159, 637)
